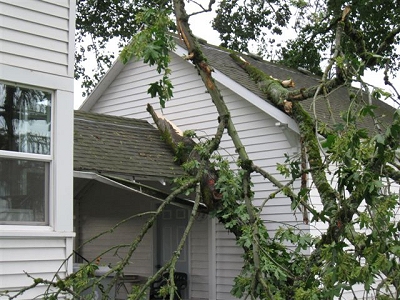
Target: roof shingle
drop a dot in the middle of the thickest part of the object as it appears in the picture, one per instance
(115, 145)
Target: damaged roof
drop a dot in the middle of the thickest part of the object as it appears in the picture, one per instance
(326, 111)
(121, 146)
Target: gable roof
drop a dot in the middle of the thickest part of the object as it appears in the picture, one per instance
(233, 76)
(338, 99)
(112, 145)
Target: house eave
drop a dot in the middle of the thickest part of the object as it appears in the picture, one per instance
(135, 187)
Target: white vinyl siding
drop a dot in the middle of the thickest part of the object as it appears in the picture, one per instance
(191, 108)
(36, 35)
(38, 256)
(229, 262)
(199, 259)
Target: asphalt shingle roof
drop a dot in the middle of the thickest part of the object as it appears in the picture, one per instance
(115, 145)
(338, 100)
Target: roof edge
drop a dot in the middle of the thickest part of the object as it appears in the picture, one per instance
(102, 85)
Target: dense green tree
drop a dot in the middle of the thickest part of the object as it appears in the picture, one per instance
(371, 32)
(101, 24)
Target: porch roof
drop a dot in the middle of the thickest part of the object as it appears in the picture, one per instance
(126, 147)
(84, 185)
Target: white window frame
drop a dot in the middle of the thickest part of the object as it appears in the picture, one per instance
(46, 158)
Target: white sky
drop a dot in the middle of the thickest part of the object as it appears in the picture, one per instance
(201, 27)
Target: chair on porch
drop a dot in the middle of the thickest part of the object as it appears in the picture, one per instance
(125, 284)
(180, 282)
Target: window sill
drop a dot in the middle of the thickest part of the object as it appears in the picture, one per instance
(32, 231)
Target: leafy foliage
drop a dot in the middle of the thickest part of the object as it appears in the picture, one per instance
(239, 24)
(313, 24)
(297, 54)
(152, 44)
(99, 25)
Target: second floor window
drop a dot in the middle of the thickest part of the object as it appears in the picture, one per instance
(25, 154)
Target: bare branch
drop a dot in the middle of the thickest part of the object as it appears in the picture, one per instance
(387, 82)
(285, 190)
(203, 10)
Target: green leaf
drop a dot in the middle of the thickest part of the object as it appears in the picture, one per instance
(379, 139)
(154, 89)
(379, 93)
(151, 54)
(330, 140)
(368, 110)
(395, 250)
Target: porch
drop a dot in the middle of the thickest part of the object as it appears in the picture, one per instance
(122, 172)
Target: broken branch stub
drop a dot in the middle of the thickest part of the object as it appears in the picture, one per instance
(185, 150)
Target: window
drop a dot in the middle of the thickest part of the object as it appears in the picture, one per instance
(25, 154)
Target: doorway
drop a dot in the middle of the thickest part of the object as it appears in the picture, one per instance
(170, 228)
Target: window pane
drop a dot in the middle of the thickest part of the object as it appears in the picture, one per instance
(23, 191)
(25, 119)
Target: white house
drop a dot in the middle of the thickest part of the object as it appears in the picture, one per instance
(36, 141)
(267, 133)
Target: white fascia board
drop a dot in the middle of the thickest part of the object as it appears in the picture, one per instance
(103, 84)
(105, 180)
(268, 108)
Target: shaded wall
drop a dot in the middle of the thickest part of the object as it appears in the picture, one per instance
(103, 207)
